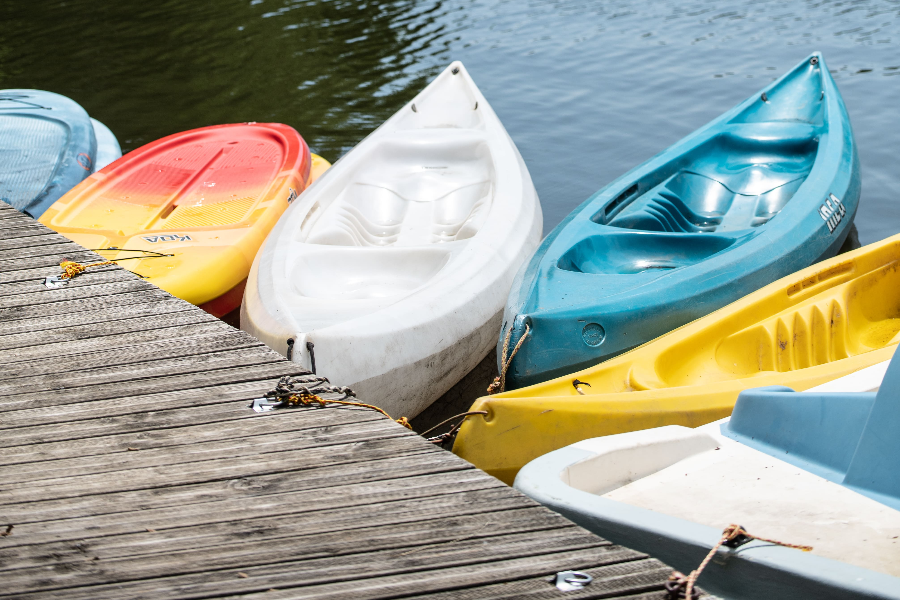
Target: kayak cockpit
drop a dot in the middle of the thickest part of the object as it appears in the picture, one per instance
(739, 179)
(414, 188)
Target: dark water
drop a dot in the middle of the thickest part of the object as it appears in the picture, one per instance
(586, 89)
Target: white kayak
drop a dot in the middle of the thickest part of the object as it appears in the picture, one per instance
(813, 468)
(390, 273)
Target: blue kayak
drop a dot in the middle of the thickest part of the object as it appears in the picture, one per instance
(48, 144)
(768, 188)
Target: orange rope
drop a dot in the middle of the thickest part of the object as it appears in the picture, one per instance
(307, 398)
(72, 268)
(730, 533)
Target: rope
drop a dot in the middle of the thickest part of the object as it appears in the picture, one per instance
(499, 383)
(291, 397)
(453, 418)
(733, 534)
(153, 253)
(72, 269)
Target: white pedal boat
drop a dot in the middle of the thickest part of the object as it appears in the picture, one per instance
(811, 468)
(390, 273)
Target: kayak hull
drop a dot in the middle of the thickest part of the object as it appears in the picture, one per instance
(189, 211)
(389, 275)
(768, 188)
(108, 149)
(49, 145)
(823, 322)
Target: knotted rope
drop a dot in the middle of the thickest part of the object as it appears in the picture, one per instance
(681, 586)
(499, 383)
(73, 269)
(292, 393)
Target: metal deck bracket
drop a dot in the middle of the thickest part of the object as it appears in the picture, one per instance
(55, 282)
(570, 581)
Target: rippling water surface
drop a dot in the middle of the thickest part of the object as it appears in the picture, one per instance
(587, 90)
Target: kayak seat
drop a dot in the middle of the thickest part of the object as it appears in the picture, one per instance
(376, 275)
(417, 188)
(739, 179)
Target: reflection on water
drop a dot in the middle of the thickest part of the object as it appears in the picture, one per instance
(587, 90)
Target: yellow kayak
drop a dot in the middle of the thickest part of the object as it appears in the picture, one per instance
(821, 323)
(189, 211)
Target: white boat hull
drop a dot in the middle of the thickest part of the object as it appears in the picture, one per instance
(672, 490)
(391, 271)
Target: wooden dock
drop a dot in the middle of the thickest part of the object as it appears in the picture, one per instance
(131, 466)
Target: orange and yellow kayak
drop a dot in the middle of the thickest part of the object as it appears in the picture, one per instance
(193, 207)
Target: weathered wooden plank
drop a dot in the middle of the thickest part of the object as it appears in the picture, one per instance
(93, 277)
(232, 439)
(167, 429)
(337, 507)
(7, 211)
(14, 227)
(471, 575)
(60, 307)
(83, 327)
(217, 469)
(386, 574)
(335, 471)
(5, 214)
(37, 293)
(48, 263)
(187, 383)
(221, 356)
(611, 580)
(393, 551)
(31, 276)
(36, 271)
(38, 246)
(133, 414)
(34, 241)
(435, 524)
(107, 349)
(98, 321)
(94, 365)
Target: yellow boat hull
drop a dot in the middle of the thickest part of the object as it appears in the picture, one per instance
(821, 323)
(190, 211)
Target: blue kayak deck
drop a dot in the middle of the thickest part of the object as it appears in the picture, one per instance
(132, 467)
(769, 187)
